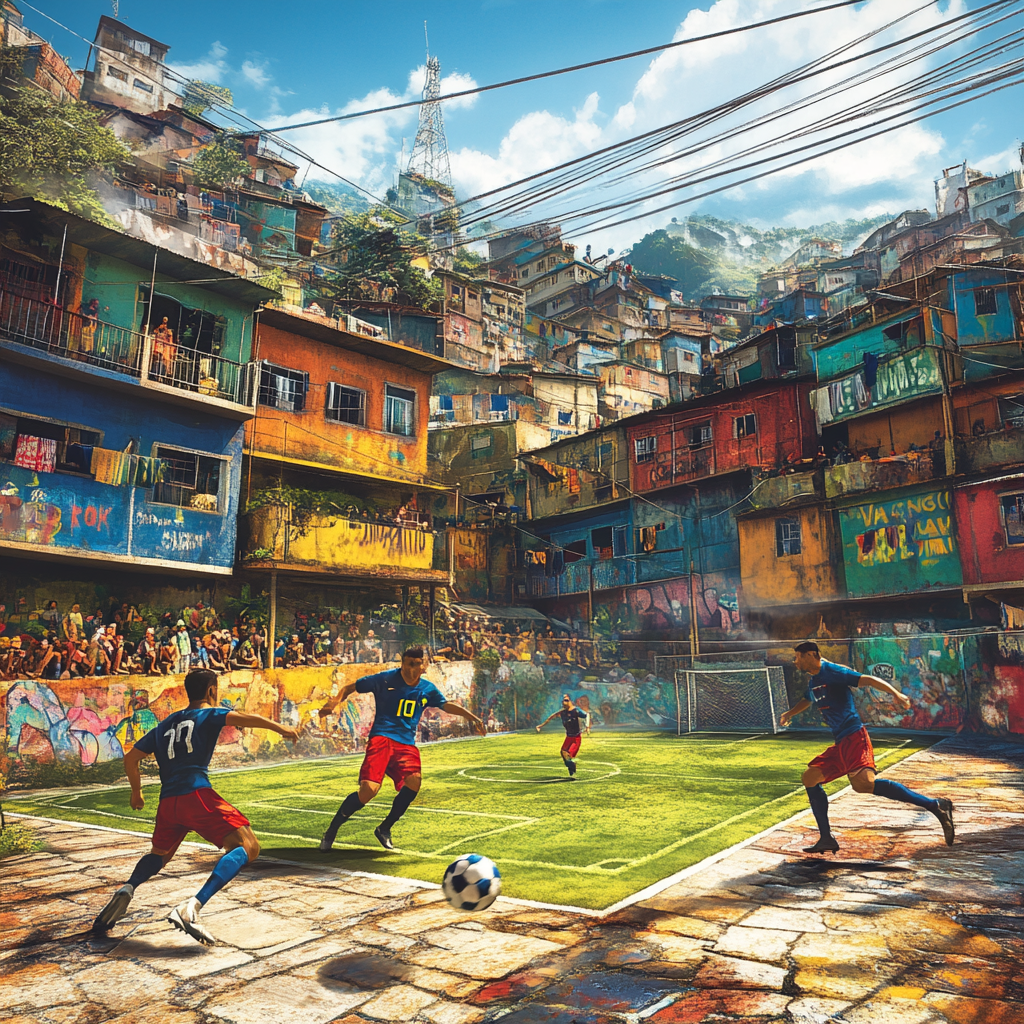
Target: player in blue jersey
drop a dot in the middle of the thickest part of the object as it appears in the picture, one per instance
(183, 744)
(572, 718)
(851, 754)
(401, 696)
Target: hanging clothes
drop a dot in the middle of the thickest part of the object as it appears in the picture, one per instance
(148, 471)
(1012, 617)
(36, 453)
(870, 369)
(564, 418)
(822, 405)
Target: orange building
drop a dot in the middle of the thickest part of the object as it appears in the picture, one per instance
(335, 489)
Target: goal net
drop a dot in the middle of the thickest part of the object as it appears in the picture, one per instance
(730, 699)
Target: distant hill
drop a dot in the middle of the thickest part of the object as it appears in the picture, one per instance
(707, 253)
(337, 196)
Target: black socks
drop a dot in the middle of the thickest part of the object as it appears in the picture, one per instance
(349, 806)
(819, 806)
(147, 867)
(399, 807)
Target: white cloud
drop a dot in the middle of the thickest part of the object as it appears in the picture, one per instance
(256, 74)
(211, 68)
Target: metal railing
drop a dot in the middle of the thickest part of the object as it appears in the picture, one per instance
(53, 329)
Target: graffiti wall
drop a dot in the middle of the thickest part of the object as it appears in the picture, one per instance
(85, 723)
(900, 546)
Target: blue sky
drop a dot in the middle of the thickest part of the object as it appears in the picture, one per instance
(285, 64)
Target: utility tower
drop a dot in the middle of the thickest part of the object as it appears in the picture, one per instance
(430, 150)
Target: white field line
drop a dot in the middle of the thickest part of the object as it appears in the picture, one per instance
(643, 894)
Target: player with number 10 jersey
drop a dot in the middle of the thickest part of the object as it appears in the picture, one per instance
(401, 696)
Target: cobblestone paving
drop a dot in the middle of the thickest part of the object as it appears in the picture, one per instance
(896, 929)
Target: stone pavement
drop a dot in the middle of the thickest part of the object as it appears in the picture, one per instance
(897, 929)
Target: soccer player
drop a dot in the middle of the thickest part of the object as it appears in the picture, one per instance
(851, 754)
(183, 744)
(571, 717)
(401, 696)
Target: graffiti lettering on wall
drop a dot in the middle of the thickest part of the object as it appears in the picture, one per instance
(89, 722)
(900, 545)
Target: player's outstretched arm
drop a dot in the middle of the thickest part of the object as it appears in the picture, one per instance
(240, 720)
(451, 708)
(880, 684)
(131, 770)
(546, 720)
(342, 695)
(787, 716)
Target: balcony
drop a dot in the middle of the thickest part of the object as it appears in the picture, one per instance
(995, 450)
(70, 343)
(774, 492)
(880, 475)
(575, 579)
(283, 537)
(681, 465)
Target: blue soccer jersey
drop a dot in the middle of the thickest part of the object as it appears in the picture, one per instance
(183, 744)
(399, 707)
(832, 694)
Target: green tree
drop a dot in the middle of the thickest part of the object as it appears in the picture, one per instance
(55, 151)
(200, 96)
(373, 247)
(216, 165)
(660, 253)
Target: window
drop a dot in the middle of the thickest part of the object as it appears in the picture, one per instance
(190, 480)
(787, 537)
(345, 405)
(645, 447)
(143, 86)
(66, 449)
(575, 551)
(480, 445)
(602, 543)
(700, 434)
(604, 455)
(984, 301)
(399, 405)
(744, 426)
(112, 72)
(283, 389)
(1000, 210)
(1013, 517)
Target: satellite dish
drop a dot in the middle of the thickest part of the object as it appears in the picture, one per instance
(611, 252)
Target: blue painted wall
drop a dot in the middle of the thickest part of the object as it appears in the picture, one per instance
(131, 525)
(983, 338)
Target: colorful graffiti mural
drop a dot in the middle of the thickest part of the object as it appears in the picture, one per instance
(900, 546)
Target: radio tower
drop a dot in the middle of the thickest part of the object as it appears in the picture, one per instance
(430, 150)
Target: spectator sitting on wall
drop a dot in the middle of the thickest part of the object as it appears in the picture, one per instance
(77, 662)
(46, 664)
(116, 641)
(280, 653)
(148, 652)
(294, 655)
(244, 655)
(371, 649)
(99, 664)
(214, 656)
(167, 655)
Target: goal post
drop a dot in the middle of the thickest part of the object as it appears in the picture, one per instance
(730, 699)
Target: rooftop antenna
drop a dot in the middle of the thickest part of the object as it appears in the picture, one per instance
(430, 149)
(116, 5)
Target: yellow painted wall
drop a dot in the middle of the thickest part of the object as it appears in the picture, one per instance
(337, 543)
(914, 423)
(769, 580)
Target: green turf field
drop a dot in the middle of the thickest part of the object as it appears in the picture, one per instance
(646, 805)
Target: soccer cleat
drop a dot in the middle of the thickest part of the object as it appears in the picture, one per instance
(115, 909)
(823, 845)
(384, 837)
(185, 917)
(326, 842)
(945, 816)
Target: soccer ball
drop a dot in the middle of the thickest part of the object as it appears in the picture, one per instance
(471, 883)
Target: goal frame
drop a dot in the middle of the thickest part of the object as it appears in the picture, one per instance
(686, 683)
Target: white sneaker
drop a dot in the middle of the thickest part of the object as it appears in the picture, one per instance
(185, 916)
(115, 909)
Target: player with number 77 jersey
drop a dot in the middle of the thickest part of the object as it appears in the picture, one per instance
(183, 744)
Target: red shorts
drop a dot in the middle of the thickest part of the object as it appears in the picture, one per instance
(847, 757)
(202, 811)
(385, 756)
(571, 746)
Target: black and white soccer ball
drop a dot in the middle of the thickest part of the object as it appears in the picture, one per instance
(471, 883)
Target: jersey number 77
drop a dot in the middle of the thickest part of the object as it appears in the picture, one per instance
(174, 735)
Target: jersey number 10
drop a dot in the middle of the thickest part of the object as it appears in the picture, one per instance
(174, 736)
(406, 708)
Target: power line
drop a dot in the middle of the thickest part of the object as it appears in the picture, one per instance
(569, 70)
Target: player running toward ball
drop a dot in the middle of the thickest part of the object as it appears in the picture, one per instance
(851, 754)
(401, 696)
(183, 744)
(571, 717)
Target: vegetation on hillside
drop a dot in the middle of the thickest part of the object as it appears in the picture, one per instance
(216, 165)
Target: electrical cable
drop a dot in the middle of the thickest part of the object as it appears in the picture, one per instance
(564, 71)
